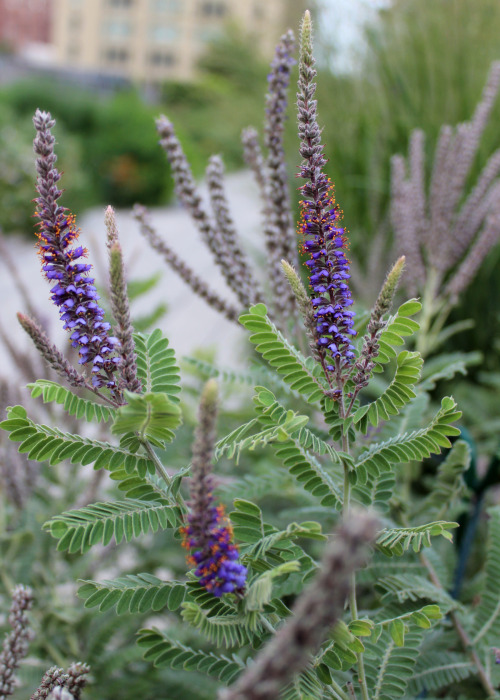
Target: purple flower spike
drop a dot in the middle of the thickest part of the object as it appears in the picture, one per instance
(214, 554)
(74, 292)
(208, 533)
(323, 235)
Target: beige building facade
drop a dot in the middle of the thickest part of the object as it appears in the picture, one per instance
(156, 40)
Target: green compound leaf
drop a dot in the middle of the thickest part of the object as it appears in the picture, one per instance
(74, 405)
(389, 667)
(280, 425)
(377, 492)
(151, 415)
(410, 446)
(305, 686)
(396, 396)
(397, 540)
(263, 546)
(421, 618)
(411, 587)
(228, 628)
(300, 374)
(398, 326)
(436, 669)
(133, 593)
(164, 652)
(42, 444)
(156, 365)
(311, 475)
(79, 530)
(271, 412)
(292, 442)
(486, 627)
(260, 591)
(339, 654)
(448, 484)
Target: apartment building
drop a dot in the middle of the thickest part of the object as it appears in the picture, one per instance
(24, 22)
(155, 40)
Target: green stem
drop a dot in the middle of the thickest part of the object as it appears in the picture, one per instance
(337, 690)
(162, 472)
(353, 603)
(434, 314)
(265, 623)
(160, 469)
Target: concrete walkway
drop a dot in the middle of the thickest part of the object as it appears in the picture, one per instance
(190, 323)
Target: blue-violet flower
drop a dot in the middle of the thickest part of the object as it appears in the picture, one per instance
(208, 532)
(215, 555)
(324, 236)
(74, 292)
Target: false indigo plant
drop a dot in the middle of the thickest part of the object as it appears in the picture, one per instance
(345, 430)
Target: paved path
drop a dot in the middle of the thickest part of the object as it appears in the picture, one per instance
(189, 323)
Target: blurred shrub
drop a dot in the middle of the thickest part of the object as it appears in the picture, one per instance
(74, 107)
(110, 152)
(210, 113)
(17, 173)
(123, 155)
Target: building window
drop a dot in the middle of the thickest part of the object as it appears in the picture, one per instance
(162, 59)
(213, 9)
(73, 53)
(163, 33)
(116, 55)
(208, 34)
(258, 11)
(165, 5)
(121, 3)
(117, 30)
(75, 22)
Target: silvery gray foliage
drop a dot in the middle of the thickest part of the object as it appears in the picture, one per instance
(197, 285)
(15, 645)
(61, 693)
(444, 232)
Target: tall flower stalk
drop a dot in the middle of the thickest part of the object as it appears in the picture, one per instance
(279, 229)
(74, 292)
(15, 646)
(324, 237)
(208, 533)
(120, 306)
(325, 241)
